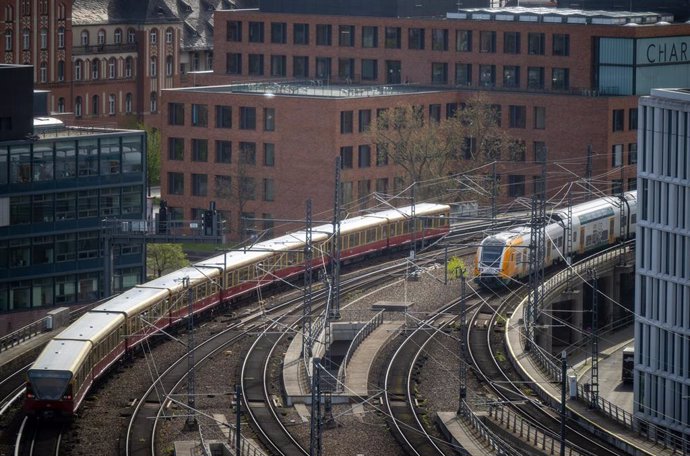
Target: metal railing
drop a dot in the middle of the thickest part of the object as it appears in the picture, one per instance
(247, 448)
(23, 334)
(362, 334)
(496, 443)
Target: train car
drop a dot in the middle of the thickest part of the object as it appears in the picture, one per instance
(504, 257)
(65, 370)
(628, 365)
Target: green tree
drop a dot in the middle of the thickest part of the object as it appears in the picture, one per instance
(153, 156)
(164, 258)
(456, 267)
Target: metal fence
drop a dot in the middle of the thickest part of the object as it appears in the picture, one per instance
(23, 334)
(362, 334)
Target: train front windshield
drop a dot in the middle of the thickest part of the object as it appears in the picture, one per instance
(491, 254)
(49, 385)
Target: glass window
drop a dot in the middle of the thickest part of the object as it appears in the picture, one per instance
(393, 72)
(369, 70)
(370, 36)
(269, 190)
(65, 206)
(439, 73)
(364, 156)
(535, 77)
(176, 183)
(364, 120)
(248, 153)
(154, 36)
(300, 67)
(535, 43)
(346, 69)
(247, 118)
(256, 65)
(175, 114)
(439, 39)
(87, 203)
(323, 67)
(463, 74)
(248, 188)
(110, 156)
(346, 157)
(617, 155)
(393, 37)
(463, 40)
(269, 154)
(435, 112)
(487, 75)
(278, 65)
(324, 34)
(511, 76)
(88, 157)
(516, 185)
(269, 119)
(561, 44)
(223, 152)
(175, 148)
(223, 116)
(511, 42)
(65, 247)
(381, 155)
(223, 186)
(539, 152)
(256, 32)
(300, 33)
(199, 115)
(415, 38)
(517, 116)
(234, 31)
(199, 150)
(87, 247)
(199, 184)
(346, 35)
(233, 63)
(487, 41)
(632, 119)
(132, 154)
(43, 162)
(110, 202)
(539, 117)
(560, 79)
(618, 119)
(632, 153)
(42, 208)
(346, 122)
(278, 32)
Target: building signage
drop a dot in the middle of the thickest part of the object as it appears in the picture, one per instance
(663, 51)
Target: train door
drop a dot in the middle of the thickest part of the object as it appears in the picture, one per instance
(612, 232)
(582, 239)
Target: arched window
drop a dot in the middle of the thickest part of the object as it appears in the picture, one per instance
(94, 105)
(117, 36)
(61, 70)
(169, 65)
(61, 105)
(101, 37)
(153, 36)
(128, 103)
(111, 104)
(169, 35)
(78, 70)
(77, 107)
(9, 39)
(84, 37)
(43, 72)
(44, 38)
(154, 102)
(128, 67)
(153, 68)
(95, 69)
(26, 39)
(9, 13)
(61, 11)
(61, 37)
(111, 68)
(131, 36)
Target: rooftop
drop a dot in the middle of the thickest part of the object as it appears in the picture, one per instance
(561, 16)
(46, 128)
(677, 94)
(316, 89)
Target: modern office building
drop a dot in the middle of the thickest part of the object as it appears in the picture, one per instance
(57, 185)
(662, 302)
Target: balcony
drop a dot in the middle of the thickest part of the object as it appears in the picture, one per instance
(104, 49)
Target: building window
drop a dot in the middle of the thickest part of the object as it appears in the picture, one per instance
(77, 107)
(346, 35)
(128, 103)
(117, 36)
(618, 120)
(269, 154)
(248, 153)
(278, 32)
(539, 152)
(247, 188)
(175, 114)
(256, 32)
(463, 40)
(346, 69)
(153, 36)
(561, 44)
(535, 78)
(269, 194)
(381, 155)
(300, 33)
(278, 65)
(223, 186)
(199, 115)
(100, 38)
(169, 36)
(463, 74)
(128, 67)
(439, 73)
(153, 102)
(439, 39)
(223, 117)
(199, 150)
(324, 33)
(61, 104)
(43, 72)
(111, 68)
(256, 65)
(364, 156)
(364, 120)
(61, 70)
(518, 116)
(415, 38)
(234, 31)
(199, 184)
(632, 153)
(487, 75)
(153, 67)
(247, 118)
(26, 39)
(176, 183)
(323, 67)
(511, 77)
(617, 155)
(84, 38)
(535, 43)
(346, 122)
(346, 157)
(539, 117)
(632, 119)
(111, 104)
(269, 119)
(369, 70)
(516, 185)
(560, 79)
(223, 152)
(393, 72)
(370, 36)
(95, 69)
(487, 41)
(44, 38)
(511, 42)
(94, 105)
(131, 36)
(8, 40)
(393, 37)
(300, 67)
(233, 63)
(435, 113)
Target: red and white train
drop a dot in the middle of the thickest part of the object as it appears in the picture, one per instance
(63, 373)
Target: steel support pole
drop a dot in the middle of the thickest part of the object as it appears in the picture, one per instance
(564, 381)
(191, 422)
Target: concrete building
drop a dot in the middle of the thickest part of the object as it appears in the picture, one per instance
(57, 184)
(662, 328)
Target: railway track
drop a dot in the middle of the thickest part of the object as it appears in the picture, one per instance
(38, 439)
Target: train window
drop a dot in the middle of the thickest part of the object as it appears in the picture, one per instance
(371, 235)
(428, 222)
(384, 231)
(352, 240)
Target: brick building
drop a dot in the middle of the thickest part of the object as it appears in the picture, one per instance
(567, 83)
